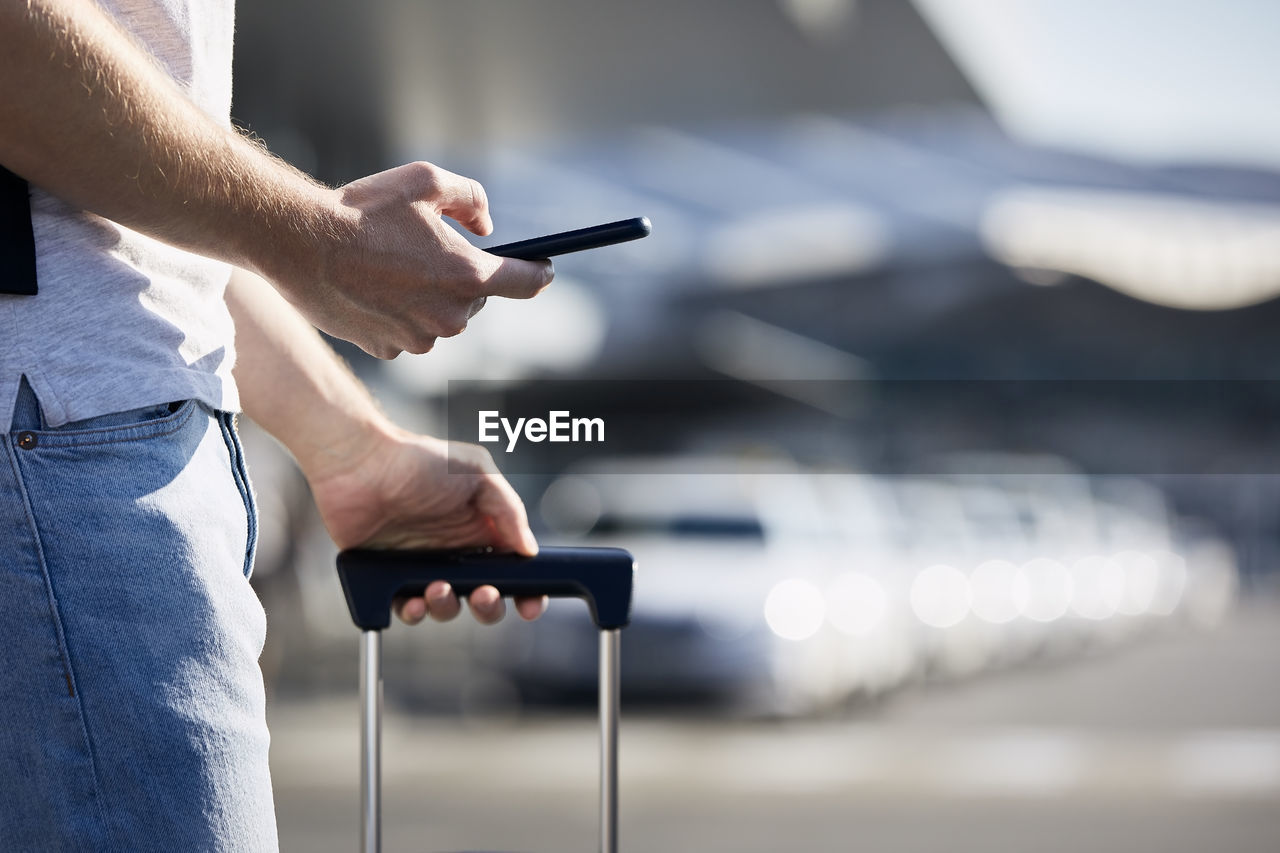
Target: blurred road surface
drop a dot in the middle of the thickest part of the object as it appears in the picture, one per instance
(1169, 745)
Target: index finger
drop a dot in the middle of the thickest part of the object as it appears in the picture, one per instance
(462, 199)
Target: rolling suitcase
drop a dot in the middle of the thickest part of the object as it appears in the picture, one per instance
(372, 579)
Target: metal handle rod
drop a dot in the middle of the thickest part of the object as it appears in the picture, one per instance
(610, 643)
(371, 741)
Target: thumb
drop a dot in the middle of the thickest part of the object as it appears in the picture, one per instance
(517, 279)
(496, 499)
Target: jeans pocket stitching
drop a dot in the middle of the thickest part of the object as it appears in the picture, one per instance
(64, 646)
(120, 434)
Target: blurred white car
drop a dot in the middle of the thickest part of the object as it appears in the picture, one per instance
(746, 588)
(789, 591)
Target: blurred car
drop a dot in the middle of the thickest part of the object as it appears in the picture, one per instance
(738, 566)
(788, 591)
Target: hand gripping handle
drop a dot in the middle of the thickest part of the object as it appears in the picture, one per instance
(602, 576)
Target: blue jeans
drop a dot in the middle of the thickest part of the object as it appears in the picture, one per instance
(132, 710)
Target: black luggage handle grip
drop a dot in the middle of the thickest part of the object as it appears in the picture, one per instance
(602, 576)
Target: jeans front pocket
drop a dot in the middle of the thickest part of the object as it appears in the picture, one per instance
(145, 545)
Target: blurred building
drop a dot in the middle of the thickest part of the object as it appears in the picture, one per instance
(832, 200)
(347, 87)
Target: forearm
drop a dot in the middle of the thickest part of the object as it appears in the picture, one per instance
(86, 114)
(401, 492)
(293, 385)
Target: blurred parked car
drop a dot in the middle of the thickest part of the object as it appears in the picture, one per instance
(788, 591)
(728, 598)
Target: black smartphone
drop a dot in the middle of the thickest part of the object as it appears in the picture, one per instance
(541, 248)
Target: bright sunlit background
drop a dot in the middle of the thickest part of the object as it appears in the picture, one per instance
(1152, 81)
(943, 409)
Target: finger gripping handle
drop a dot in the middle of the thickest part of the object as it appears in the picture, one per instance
(602, 576)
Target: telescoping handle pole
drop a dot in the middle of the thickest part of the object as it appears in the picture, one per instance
(371, 741)
(371, 580)
(609, 695)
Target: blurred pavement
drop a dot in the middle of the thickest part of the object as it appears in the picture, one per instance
(1170, 745)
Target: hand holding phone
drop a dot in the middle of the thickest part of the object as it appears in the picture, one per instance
(542, 248)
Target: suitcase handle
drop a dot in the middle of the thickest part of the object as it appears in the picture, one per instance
(602, 576)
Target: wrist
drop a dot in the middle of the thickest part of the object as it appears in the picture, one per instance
(345, 442)
(292, 234)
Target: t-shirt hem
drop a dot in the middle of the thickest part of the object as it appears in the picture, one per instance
(61, 406)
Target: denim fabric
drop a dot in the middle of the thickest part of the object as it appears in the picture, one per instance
(132, 710)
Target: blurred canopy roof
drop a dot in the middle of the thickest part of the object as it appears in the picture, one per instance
(348, 82)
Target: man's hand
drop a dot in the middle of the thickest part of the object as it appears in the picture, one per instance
(400, 490)
(375, 484)
(391, 275)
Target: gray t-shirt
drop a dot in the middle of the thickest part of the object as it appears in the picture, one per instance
(123, 321)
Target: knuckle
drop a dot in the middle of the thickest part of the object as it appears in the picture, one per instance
(472, 277)
(536, 277)
(476, 457)
(479, 198)
(428, 174)
(421, 344)
(463, 278)
(383, 351)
